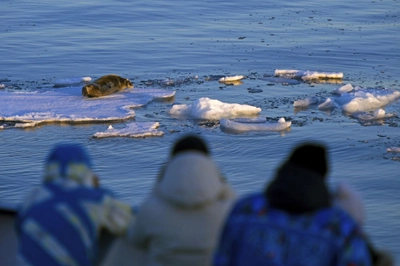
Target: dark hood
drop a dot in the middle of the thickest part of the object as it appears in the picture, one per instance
(297, 190)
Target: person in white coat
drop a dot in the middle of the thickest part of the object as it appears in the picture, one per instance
(180, 222)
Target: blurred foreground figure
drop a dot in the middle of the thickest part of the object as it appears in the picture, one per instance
(179, 223)
(60, 222)
(293, 222)
(350, 200)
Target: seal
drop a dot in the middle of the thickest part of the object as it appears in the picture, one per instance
(106, 85)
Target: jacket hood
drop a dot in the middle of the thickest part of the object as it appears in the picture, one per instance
(191, 179)
(298, 190)
(69, 162)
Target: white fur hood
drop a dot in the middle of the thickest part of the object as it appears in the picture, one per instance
(191, 180)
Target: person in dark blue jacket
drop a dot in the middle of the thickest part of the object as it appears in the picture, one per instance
(60, 221)
(294, 221)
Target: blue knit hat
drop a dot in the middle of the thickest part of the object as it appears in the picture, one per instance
(69, 161)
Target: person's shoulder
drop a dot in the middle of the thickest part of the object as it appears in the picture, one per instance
(336, 214)
(338, 221)
(249, 204)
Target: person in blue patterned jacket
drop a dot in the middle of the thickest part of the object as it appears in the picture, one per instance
(294, 221)
(60, 221)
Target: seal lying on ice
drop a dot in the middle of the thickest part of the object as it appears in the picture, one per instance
(106, 85)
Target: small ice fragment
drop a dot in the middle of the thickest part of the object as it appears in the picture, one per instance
(2, 86)
(346, 88)
(288, 73)
(307, 75)
(328, 104)
(306, 102)
(25, 125)
(230, 79)
(110, 127)
(133, 130)
(379, 113)
(243, 127)
(393, 149)
(310, 75)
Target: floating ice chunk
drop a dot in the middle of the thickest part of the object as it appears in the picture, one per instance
(2, 86)
(306, 102)
(362, 100)
(310, 75)
(71, 81)
(288, 73)
(233, 83)
(307, 75)
(68, 105)
(231, 78)
(132, 130)
(327, 105)
(26, 125)
(206, 108)
(240, 126)
(393, 149)
(378, 114)
(346, 88)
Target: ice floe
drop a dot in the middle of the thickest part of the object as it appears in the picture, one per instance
(206, 108)
(328, 104)
(345, 88)
(306, 102)
(231, 78)
(363, 100)
(356, 101)
(393, 149)
(307, 75)
(29, 109)
(132, 130)
(255, 125)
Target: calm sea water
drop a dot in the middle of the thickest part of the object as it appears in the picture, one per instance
(42, 41)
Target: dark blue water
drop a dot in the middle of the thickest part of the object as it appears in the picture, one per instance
(42, 41)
